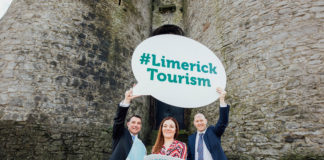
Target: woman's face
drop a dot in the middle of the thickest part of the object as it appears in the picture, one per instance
(168, 129)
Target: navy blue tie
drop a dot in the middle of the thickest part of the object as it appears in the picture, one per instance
(200, 147)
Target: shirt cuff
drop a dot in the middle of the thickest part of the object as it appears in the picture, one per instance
(122, 104)
(223, 106)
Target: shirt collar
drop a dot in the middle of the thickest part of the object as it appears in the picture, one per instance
(133, 134)
(201, 132)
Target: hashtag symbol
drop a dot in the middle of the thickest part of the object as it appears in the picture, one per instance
(145, 58)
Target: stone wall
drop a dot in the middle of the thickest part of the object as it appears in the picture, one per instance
(273, 55)
(167, 12)
(64, 66)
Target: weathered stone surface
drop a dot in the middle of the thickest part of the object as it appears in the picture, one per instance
(274, 80)
(61, 142)
(66, 64)
(167, 12)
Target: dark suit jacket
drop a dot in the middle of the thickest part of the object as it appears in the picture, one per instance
(212, 137)
(122, 139)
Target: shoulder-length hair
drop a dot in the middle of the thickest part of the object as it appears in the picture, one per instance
(160, 138)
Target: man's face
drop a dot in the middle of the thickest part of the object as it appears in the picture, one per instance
(134, 125)
(200, 122)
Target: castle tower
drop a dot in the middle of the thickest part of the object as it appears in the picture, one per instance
(273, 57)
(65, 66)
(167, 12)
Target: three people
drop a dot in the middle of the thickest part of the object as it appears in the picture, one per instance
(205, 144)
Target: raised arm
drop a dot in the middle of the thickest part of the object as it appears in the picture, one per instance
(121, 113)
(222, 122)
(119, 121)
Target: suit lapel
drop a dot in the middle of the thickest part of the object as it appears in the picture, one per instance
(206, 139)
(193, 139)
(129, 138)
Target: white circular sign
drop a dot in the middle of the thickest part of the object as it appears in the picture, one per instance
(178, 71)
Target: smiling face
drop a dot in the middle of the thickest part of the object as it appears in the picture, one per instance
(134, 125)
(200, 122)
(169, 129)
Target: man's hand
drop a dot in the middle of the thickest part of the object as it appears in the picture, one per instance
(222, 95)
(129, 96)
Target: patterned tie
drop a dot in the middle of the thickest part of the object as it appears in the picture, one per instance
(200, 147)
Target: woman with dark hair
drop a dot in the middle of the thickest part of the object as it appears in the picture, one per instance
(166, 144)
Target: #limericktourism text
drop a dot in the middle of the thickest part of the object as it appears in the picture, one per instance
(174, 64)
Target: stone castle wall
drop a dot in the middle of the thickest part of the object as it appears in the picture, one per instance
(273, 55)
(64, 67)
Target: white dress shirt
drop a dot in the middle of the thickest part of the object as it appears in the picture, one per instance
(207, 155)
(122, 104)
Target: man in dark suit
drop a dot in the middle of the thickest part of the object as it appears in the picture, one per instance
(205, 144)
(123, 138)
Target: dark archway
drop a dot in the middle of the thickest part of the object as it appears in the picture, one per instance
(159, 110)
(162, 110)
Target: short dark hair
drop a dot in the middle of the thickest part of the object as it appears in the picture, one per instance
(135, 115)
(168, 29)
